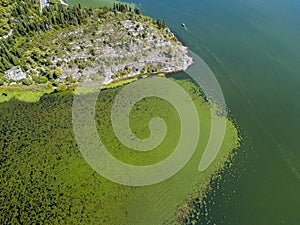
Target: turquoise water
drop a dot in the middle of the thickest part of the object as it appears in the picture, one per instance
(253, 47)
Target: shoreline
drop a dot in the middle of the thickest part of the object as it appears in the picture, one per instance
(47, 88)
(22, 90)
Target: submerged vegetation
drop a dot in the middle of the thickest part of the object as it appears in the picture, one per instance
(44, 178)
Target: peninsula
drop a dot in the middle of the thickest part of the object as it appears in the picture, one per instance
(66, 44)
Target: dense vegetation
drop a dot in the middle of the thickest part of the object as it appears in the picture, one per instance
(45, 180)
(25, 22)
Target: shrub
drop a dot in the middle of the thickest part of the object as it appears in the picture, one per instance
(82, 66)
(42, 80)
(69, 79)
(27, 81)
(55, 83)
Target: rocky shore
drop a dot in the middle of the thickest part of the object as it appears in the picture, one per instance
(124, 48)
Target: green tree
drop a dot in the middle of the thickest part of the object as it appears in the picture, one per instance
(6, 64)
(137, 11)
(161, 24)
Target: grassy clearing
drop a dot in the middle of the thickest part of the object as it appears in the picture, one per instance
(119, 83)
(24, 93)
(33, 93)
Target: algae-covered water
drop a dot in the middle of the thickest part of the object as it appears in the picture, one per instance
(45, 179)
(254, 49)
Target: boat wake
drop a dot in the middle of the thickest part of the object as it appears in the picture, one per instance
(184, 26)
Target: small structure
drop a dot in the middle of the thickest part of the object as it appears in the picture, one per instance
(44, 3)
(15, 74)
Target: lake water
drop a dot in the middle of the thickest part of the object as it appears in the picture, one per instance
(253, 47)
